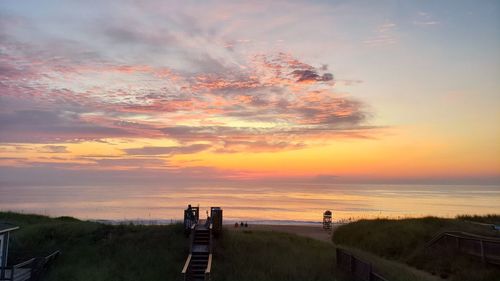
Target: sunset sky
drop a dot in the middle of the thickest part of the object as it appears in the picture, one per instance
(153, 92)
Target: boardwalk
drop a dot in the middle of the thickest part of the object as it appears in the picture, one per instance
(199, 262)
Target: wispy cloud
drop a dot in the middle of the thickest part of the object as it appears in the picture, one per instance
(425, 19)
(384, 34)
(54, 149)
(167, 150)
(168, 76)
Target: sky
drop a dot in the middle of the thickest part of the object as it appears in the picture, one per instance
(159, 92)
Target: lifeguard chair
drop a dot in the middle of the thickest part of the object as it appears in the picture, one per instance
(327, 220)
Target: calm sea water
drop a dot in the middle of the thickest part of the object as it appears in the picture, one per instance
(253, 202)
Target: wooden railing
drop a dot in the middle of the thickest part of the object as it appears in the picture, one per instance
(209, 268)
(41, 264)
(210, 237)
(360, 269)
(191, 237)
(485, 248)
(19, 272)
(185, 269)
(28, 270)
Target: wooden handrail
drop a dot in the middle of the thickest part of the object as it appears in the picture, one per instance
(24, 263)
(209, 268)
(191, 237)
(210, 250)
(186, 265)
(461, 235)
(53, 255)
(209, 264)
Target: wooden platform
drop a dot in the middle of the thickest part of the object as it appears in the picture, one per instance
(20, 274)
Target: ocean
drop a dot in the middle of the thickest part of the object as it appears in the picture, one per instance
(291, 203)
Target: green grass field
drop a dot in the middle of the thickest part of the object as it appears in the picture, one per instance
(404, 241)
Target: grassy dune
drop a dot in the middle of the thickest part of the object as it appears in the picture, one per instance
(405, 240)
(270, 256)
(93, 251)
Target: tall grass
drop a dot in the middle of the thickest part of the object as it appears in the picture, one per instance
(270, 256)
(98, 252)
(490, 219)
(93, 251)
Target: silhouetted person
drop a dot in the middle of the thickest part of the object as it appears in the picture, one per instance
(190, 213)
(241, 224)
(235, 225)
(246, 224)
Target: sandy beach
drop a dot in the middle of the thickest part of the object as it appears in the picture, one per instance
(311, 231)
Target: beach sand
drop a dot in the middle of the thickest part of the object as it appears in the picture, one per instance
(311, 231)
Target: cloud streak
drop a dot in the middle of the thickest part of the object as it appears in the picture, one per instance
(167, 150)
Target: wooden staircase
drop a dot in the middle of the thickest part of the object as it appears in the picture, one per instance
(199, 261)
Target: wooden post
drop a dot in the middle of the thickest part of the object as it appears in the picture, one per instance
(337, 251)
(370, 275)
(351, 263)
(483, 258)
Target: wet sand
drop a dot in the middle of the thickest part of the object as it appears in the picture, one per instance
(311, 231)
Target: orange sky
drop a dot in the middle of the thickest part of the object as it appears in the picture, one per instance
(251, 92)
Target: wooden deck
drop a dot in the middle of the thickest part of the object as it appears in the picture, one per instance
(20, 274)
(28, 270)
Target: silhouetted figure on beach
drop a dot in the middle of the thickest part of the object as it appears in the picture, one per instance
(190, 213)
(235, 225)
(246, 224)
(241, 224)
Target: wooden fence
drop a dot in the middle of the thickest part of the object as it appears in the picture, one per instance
(485, 248)
(19, 272)
(29, 270)
(360, 269)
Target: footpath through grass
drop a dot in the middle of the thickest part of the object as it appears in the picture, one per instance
(405, 241)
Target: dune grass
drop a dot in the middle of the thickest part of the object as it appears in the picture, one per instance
(93, 251)
(269, 256)
(405, 241)
(490, 219)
